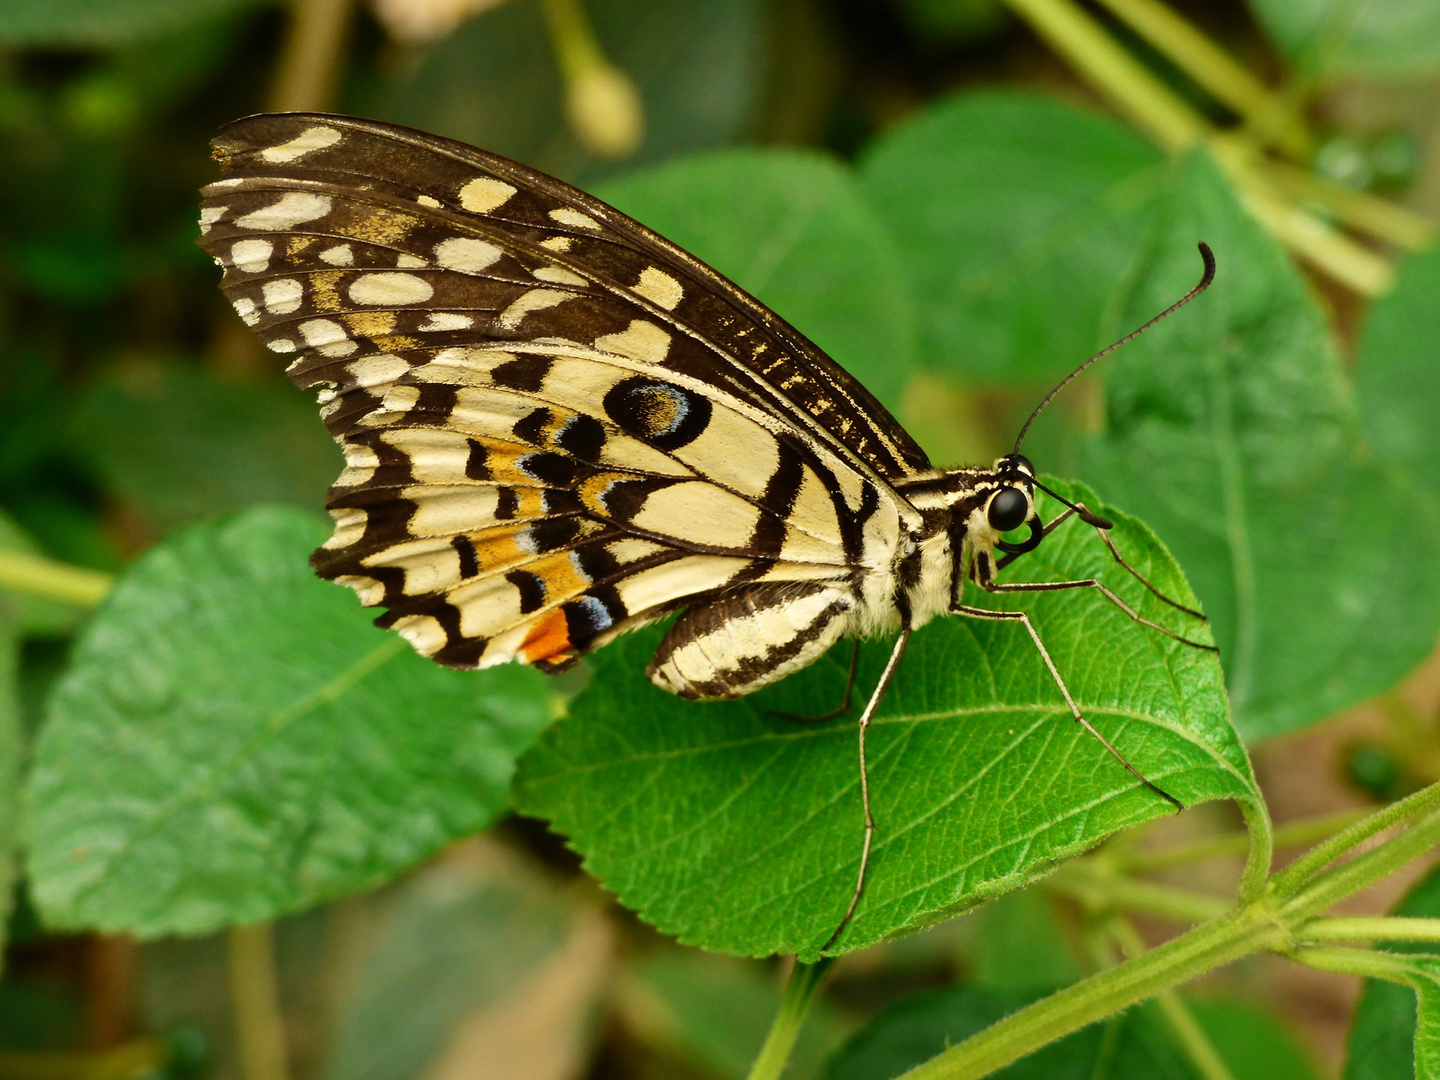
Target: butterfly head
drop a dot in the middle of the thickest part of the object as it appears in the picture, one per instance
(1013, 503)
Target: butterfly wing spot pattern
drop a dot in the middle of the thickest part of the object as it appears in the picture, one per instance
(558, 426)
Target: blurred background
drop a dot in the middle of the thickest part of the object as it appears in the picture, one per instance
(135, 402)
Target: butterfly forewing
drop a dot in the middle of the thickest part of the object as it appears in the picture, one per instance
(556, 424)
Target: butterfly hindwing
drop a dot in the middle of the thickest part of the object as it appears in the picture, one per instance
(557, 426)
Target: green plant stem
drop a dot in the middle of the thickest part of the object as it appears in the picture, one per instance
(1365, 962)
(1262, 850)
(1290, 880)
(1183, 1025)
(1295, 834)
(805, 979)
(1272, 922)
(1117, 74)
(1175, 126)
(255, 1002)
(573, 39)
(1378, 217)
(1265, 113)
(1393, 928)
(312, 56)
(39, 576)
(1179, 960)
(1098, 888)
(1350, 877)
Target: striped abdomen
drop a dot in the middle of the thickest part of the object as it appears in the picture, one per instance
(749, 638)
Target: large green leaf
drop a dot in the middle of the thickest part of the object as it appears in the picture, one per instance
(233, 741)
(1015, 216)
(1397, 378)
(1384, 1042)
(1377, 39)
(88, 23)
(495, 82)
(1232, 431)
(738, 830)
(790, 227)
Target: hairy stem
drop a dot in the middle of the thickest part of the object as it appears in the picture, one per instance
(1237, 934)
(1392, 928)
(1293, 877)
(1183, 1025)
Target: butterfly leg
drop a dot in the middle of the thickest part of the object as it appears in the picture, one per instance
(865, 717)
(844, 706)
(1024, 619)
(984, 580)
(1105, 536)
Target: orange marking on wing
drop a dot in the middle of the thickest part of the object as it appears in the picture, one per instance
(549, 639)
(563, 579)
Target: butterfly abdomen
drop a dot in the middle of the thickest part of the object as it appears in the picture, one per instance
(749, 638)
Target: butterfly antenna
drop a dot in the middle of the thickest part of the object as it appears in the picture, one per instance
(1208, 257)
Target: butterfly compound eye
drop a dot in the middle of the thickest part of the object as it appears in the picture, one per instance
(1008, 509)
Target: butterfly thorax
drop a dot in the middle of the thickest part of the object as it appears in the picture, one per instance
(957, 539)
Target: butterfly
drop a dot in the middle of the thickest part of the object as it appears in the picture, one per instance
(558, 427)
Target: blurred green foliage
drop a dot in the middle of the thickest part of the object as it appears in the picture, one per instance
(954, 218)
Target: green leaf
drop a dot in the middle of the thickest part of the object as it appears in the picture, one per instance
(1231, 430)
(1397, 380)
(495, 82)
(739, 831)
(1383, 1040)
(792, 228)
(90, 23)
(1376, 39)
(181, 443)
(233, 741)
(1015, 216)
(1131, 1046)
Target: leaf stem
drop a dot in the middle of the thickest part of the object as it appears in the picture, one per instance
(39, 576)
(1390, 928)
(255, 1002)
(804, 980)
